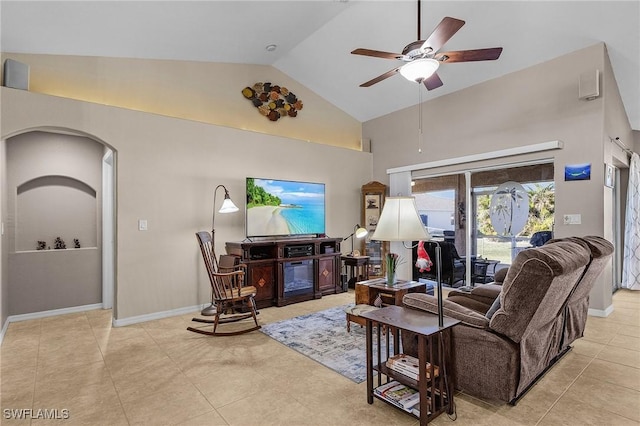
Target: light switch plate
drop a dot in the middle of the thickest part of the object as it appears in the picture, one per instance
(572, 219)
(142, 224)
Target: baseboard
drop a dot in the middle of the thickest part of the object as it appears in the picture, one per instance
(601, 313)
(155, 316)
(54, 312)
(116, 322)
(45, 314)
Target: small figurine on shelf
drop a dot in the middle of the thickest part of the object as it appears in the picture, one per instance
(42, 245)
(76, 243)
(59, 244)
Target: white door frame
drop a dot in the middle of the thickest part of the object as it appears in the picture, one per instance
(108, 228)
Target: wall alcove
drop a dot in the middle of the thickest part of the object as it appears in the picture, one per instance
(55, 189)
(55, 206)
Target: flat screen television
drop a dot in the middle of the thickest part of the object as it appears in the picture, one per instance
(277, 208)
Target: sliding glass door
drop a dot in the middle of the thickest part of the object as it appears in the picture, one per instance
(450, 214)
(488, 244)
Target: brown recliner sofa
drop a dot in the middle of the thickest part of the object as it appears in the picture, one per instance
(481, 298)
(501, 356)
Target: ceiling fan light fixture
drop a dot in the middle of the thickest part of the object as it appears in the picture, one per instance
(419, 69)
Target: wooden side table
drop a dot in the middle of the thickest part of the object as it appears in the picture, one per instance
(434, 347)
(357, 267)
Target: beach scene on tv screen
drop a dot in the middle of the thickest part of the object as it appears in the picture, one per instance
(277, 207)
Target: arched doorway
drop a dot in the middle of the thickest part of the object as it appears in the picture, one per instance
(60, 192)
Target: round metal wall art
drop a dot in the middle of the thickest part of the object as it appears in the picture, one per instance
(273, 101)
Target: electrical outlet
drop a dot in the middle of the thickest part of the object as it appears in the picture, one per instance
(572, 219)
(142, 224)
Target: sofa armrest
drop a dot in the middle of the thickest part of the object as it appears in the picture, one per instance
(429, 303)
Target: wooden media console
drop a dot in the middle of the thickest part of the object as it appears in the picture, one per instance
(290, 271)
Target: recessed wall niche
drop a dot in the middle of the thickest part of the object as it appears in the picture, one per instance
(55, 206)
(54, 189)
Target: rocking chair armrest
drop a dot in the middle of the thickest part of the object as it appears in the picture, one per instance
(241, 267)
(227, 274)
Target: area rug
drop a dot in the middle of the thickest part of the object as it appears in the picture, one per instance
(323, 337)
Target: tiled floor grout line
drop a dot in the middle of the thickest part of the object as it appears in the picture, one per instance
(186, 377)
(113, 383)
(35, 372)
(567, 389)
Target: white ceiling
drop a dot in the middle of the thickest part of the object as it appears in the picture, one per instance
(315, 38)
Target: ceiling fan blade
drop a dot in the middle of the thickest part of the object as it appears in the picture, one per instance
(377, 54)
(433, 82)
(443, 32)
(490, 54)
(380, 78)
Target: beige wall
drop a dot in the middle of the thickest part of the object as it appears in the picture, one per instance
(531, 106)
(166, 171)
(199, 91)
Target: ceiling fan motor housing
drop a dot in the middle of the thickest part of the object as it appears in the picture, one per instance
(414, 51)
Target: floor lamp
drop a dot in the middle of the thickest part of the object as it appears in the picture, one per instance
(227, 207)
(400, 221)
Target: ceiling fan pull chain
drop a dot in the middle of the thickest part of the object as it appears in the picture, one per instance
(419, 120)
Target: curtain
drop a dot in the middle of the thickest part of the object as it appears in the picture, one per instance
(631, 258)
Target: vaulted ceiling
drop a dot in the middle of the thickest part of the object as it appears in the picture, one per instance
(314, 39)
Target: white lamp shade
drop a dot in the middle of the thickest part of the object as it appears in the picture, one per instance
(400, 221)
(228, 206)
(419, 69)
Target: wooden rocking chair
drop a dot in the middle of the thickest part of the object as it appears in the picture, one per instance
(231, 298)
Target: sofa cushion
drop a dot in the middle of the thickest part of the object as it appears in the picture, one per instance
(490, 291)
(477, 304)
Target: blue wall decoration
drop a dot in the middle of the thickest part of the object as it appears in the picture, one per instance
(577, 171)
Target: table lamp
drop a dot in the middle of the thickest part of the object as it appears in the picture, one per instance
(227, 207)
(358, 232)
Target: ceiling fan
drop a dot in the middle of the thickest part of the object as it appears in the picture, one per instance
(422, 57)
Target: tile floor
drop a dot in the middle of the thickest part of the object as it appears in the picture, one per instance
(157, 373)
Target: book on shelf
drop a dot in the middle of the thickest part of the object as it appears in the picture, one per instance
(408, 365)
(400, 395)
